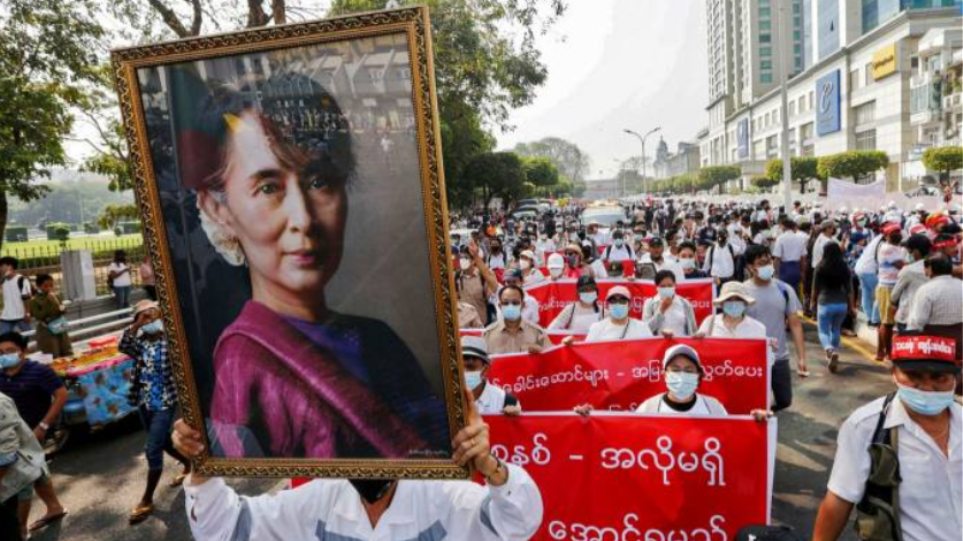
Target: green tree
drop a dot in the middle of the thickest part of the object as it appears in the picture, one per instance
(944, 160)
(804, 169)
(718, 175)
(45, 54)
(854, 164)
(764, 183)
(572, 162)
(543, 176)
(497, 174)
(114, 214)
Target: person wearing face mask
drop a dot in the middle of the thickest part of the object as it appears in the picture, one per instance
(21, 464)
(832, 300)
(867, 270)
(591, 265)
(789, 252)
(544, 247)
(618, 325)
(507, 507)
(496, 258)
(910, 278)
(40, 396)
(530, 308)
(154, 395)
(901, 454)
(619, 250)
(511, 333)
(579, 316)
(527, 265)
(687, 262)
(489, 399)
(574, 266)
(556, 267)
(733, 321)
(475, 282)
(938, 304)
(668, 313)
(720, 261)
(890, 257)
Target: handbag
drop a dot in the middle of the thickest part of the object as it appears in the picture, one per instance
(58, 326)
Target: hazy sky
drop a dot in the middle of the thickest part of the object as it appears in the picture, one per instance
(616, 64)
(612, 64)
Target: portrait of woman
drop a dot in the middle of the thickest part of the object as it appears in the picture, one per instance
(268, 159)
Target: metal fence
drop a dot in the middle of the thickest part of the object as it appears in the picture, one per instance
(45, 259)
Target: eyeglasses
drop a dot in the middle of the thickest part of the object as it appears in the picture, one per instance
(618, 300)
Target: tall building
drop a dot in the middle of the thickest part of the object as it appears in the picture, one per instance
(860, 66)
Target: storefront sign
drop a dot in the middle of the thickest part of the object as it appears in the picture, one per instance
(828, 119)
(884, 62)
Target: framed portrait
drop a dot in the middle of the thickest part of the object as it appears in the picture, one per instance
(291, 190)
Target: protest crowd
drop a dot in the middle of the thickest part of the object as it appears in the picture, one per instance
(676, 310)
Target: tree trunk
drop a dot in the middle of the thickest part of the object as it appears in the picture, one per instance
(4, 208)
(278, 12)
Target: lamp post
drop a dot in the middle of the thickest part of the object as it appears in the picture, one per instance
(642, 139)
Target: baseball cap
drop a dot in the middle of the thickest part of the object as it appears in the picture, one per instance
(929, 353)
(685, 351)
(474, 346)
(891, 227)
(618, 291)
(556, 261)
(527, 254)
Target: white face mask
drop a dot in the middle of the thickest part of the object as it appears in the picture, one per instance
(555, 272)
(465, 264)
(524, 264)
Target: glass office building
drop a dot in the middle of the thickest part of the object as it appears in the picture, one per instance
(877, 12)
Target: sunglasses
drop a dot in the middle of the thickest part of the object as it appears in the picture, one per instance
(618, 300)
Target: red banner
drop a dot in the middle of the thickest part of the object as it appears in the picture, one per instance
(555, 336)
(641, 478)
(619, 376)
(554, 296)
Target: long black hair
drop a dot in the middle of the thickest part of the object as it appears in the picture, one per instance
(833, 272)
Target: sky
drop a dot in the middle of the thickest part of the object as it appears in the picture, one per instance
(612, 65)
(617, 64)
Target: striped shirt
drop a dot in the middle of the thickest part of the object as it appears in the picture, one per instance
(937, 302)
(32, 389)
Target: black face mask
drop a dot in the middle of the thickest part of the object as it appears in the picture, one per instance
(371, 490)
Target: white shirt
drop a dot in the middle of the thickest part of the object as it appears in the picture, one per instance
(332, 508)
(723, 265)
(819, 246)
(747, 328)
(532, 277)
(704, 405)
(607, 330)
(669, 262)
(581, 321)
(492, 400)
(529, 308)
(14, 308)
(931, 505)
(496, 261)
(619, 254)
(124, 279)
(866, 264)
(789, 247)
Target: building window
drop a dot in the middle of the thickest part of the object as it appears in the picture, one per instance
(765, 38)
(765, 52)
(765, 78)
(764, 12)
(796, 35)
(865, 113)
(765, 25)
(810, 106)
(868, 74)
(765, 65)
(854, 79)
(866, 140)
(806, 132)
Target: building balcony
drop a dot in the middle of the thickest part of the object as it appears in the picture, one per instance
(953, 101)
(924, 117)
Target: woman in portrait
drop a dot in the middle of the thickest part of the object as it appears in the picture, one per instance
(294, 378)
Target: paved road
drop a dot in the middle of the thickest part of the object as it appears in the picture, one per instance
(101, 477)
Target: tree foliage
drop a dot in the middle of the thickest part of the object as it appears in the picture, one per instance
(853, 164)
(943, 159)
(114, 214)
(46, 52)
(764, 183)
(497, 174)
(541, 172)
(572, 162)
(718, 175)
(804, 169)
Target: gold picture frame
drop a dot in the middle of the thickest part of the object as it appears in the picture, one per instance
(409, 25)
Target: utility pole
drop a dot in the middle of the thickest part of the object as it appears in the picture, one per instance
(785, 46)
(642, 139)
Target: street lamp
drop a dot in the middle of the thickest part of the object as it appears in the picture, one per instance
(642, 139)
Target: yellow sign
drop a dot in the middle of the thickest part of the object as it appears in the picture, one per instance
(884, 62)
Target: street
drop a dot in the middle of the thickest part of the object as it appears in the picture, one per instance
(100, 477)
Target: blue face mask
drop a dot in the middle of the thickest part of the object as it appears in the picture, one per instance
(619, 311)
(473, 379)
(588, 297)
(910, 259)
(666, 292)
(512, 312)
(682, 385)
(925, 402)
(154, 327)
(9, 360)
(766, 273)
(734, 308)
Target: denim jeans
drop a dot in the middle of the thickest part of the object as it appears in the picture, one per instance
(19, 325)
(159, 425)
(123, 296)
(867, 287)
(829, 318)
